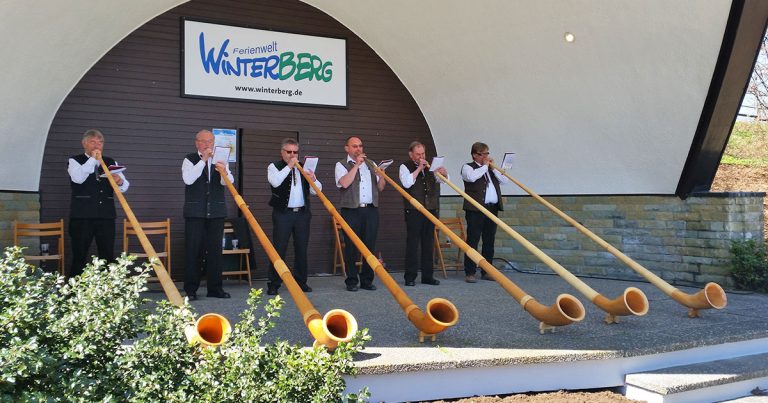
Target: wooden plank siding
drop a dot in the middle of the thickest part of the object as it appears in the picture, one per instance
(132, 95)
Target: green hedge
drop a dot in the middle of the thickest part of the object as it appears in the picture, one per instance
(750, 265)
(94, 338)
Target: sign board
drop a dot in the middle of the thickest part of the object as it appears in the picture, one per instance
(229, 62)
(226, 138)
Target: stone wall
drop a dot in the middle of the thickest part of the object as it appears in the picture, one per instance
(17, 206)
(682, 241)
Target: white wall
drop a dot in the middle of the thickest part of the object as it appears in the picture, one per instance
(613, 112)
(47, 46)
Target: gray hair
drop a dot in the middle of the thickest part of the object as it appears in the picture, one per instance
(414, 145)
(289, 142)
(93, 133)
(202, 132)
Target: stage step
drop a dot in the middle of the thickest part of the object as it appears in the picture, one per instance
(703, 382)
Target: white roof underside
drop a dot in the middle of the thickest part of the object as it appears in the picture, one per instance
(612, 113)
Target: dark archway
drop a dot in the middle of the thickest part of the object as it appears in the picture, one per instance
(132, 95)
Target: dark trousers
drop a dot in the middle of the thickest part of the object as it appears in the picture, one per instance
(202, 240)
(420, 233)
(479, 225)
(82, 231)
(284, 224)
(364, 221)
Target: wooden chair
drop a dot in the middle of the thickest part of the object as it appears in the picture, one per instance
(157, 228)
(338, 250)
(455, 225)
(42, 230)
(244, 254)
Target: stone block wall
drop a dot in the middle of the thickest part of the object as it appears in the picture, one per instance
(17, 206)
(682, 241)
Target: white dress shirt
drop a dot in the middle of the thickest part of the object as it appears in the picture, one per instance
(296, 198)
(190, 172)
(79, 173)
(407, 179)
(471, 175)
(366, 187)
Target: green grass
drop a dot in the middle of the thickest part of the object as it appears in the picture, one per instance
(729, 159)
(748, 145)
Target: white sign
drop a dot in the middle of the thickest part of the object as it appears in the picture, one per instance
(506, 163)
(310, 163)
(223, 61)
(226, 138)
(221, 154)
(437, 163)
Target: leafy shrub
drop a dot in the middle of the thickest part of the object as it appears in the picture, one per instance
(63, 340)
(93, 338)
(750, 265)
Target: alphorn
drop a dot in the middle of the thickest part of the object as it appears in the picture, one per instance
(337, 325)
(566, 309)
(440, 313)
(210, 329)
(632, 302)
(712, 296)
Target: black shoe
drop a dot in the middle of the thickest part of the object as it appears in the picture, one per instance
(431, 281)
(192, 296)
(271, 291)
(219, 294)
(305, 288)
(351, 288)
(410, 283)
(369, 287)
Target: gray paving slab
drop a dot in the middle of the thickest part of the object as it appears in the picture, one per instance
(748, 399)
(493, 329)
(683, 378)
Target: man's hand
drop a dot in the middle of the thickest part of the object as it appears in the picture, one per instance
(96, 154)
(117, 179)
(488, 160)
(442, 171)
(292, 162)
(360, 159)
(207, 154)
(422, 164)
(221, 167)
(311, 174)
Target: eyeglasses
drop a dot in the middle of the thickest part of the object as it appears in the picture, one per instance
(483, 153)
(290, 152)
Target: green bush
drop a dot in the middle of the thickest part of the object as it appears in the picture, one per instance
(94, 338)
(750, 265)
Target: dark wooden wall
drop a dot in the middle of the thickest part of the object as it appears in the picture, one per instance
(132, 95)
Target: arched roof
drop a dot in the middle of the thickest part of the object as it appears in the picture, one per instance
(618, 111)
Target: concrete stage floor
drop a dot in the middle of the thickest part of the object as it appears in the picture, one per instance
(494, 333)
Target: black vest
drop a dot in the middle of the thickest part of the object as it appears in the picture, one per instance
(477, 189)
(425, 188)
(282, 193)
(94, 198)
(204, 199)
